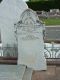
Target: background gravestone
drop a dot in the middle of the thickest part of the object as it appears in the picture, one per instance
(10, 11)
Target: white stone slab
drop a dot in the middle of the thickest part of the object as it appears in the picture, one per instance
(11, 72)
(28, 74)
(30, 41)
(10, 11)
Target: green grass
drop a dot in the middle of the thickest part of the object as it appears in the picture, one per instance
(51, 21)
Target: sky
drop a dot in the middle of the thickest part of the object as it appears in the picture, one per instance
(25, 0)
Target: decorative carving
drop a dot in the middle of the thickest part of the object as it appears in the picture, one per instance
(29, 24)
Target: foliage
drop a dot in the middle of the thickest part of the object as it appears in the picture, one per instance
(44, 5)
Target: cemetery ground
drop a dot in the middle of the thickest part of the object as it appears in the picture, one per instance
(51, 21)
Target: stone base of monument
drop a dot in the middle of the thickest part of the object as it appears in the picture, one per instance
(27, 74)
(12, 72)
(15, 72)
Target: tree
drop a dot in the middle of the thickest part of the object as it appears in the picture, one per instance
(0, 1)
(38, 0)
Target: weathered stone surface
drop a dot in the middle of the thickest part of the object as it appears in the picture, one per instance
(10, 12)
(30, 41)
(11, 72)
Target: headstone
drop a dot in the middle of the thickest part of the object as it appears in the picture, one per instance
(10, 11)
(29, 31)
(57, 11)
(54, 11)
(51, 10)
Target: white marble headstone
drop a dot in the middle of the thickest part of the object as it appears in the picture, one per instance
(30, 41)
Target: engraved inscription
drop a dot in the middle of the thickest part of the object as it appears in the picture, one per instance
(30, 37)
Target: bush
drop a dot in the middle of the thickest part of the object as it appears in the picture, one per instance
(44, 5)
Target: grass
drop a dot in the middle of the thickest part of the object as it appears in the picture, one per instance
(51, 21)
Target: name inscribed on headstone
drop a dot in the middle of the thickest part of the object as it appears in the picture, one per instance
(31, 32)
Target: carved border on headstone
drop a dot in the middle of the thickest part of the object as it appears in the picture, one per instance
(29, 22)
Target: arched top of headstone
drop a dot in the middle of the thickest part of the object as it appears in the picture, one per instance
(29, 17)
